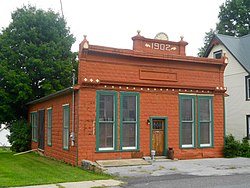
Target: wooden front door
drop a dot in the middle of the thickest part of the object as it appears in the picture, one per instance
(41, 119)
(158, 136)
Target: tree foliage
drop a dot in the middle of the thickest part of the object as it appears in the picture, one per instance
(208, 37)
(234, 20)
(35, 59)
(20, 136)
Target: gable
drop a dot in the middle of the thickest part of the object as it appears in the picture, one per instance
(237, 47)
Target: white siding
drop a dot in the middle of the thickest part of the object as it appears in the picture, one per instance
(236, 105)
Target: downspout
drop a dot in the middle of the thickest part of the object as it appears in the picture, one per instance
(72, 135)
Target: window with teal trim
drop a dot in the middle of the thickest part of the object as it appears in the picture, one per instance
(187, 121)
(66, 125)
(205, 121)
(129, 120)
(106, 120)
(49, 128)
(34, 123)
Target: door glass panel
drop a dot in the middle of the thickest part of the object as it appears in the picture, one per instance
(157, 124)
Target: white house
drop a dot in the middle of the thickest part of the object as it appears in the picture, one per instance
(237, 81)
(3, 136)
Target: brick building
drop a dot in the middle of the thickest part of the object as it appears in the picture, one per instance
(129, 102)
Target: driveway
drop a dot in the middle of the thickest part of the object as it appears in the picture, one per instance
(197, 167)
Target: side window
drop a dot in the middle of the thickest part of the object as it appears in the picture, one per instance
(248, 88)
(217, 54)
(49, 128)
(34, 121)
(248, 126)
(66, 124)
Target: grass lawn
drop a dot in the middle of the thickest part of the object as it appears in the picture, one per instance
(32, 169)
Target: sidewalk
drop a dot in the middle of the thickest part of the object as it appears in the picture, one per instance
(83, 184)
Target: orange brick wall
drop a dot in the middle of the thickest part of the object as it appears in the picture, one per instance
(121, 69)
(56, 150)
(165, 103)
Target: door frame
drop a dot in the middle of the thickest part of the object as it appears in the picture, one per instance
(165, 118)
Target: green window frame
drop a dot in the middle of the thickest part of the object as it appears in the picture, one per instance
(49, 128)
(106, 120)
(187, 121)
(66, 126)
(129, 120)
(34, 125)
(205, 121)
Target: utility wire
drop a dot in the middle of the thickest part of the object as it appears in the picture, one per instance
(61, 8)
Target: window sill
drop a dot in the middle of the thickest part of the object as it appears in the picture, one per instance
(206, 146)
(110, 151)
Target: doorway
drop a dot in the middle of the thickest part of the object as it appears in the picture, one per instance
(158, 141)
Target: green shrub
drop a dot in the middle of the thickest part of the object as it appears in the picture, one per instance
(232, 147)
(20, 136)
(235, 148)
(245, 148)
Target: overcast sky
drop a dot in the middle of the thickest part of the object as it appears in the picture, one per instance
(113, 22)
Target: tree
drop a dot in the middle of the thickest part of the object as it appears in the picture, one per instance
(234, 20)
(35, 59)
(208, 37)
(20, 136)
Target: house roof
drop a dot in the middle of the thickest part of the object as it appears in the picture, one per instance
(53, 95)
(237, 46)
